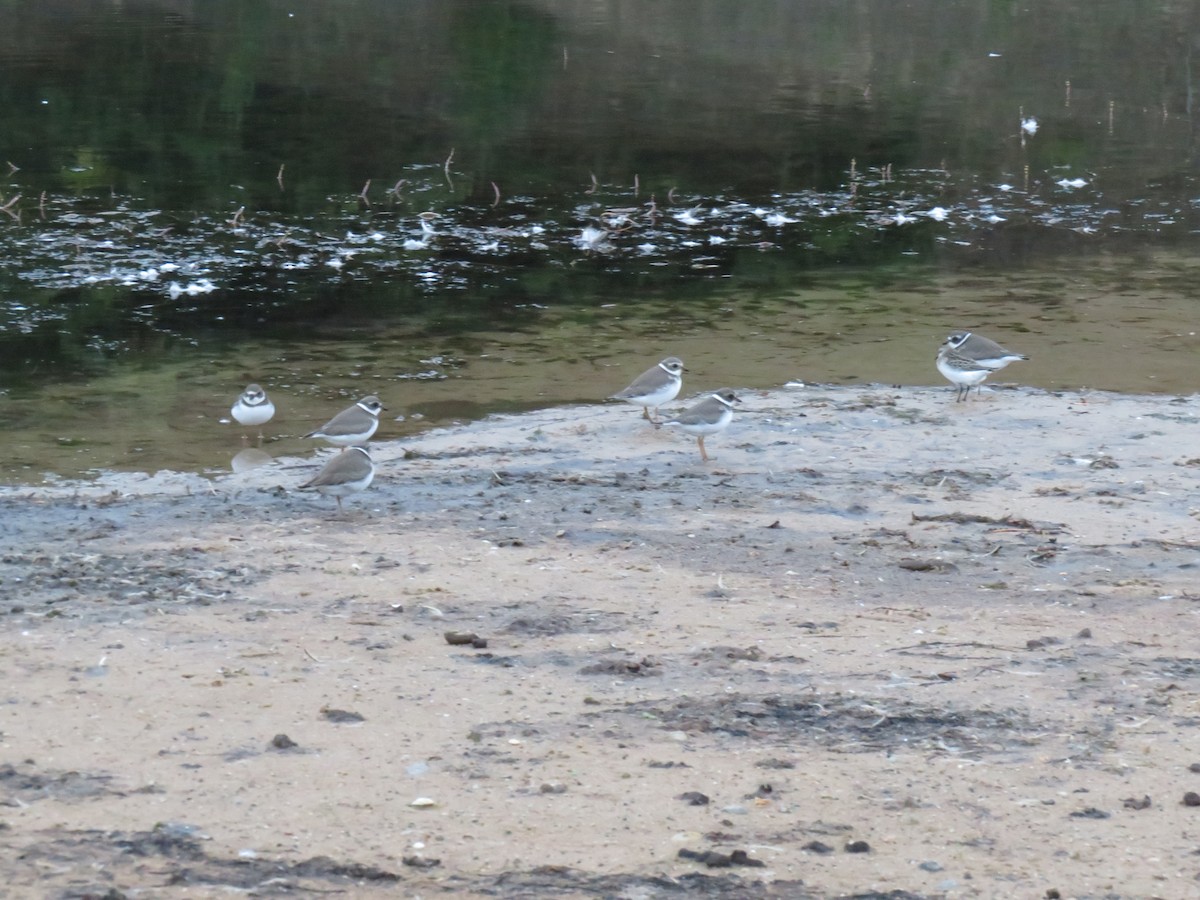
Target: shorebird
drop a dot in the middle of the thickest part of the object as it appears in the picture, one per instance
(657, 385)
(353, 425)
(966, 359)
(710, 415)
(253, 408)
(982, 350)
(964, 373)
(349, 472)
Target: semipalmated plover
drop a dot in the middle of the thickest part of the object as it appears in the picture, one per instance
(253, 407)
(347, 473)
(351, 426)
(710, 415)
(657, 385)
(982, 350)
(964, 373)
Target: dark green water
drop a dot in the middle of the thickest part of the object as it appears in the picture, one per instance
(479, 206)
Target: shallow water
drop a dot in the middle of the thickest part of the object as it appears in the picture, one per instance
(1119, 325)
(472, 208)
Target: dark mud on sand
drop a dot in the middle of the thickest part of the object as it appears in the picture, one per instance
(883, 645)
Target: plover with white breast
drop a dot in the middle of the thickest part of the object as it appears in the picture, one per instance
(253, 408)
(964, 373)
(347, 473)
(657, 385)
(982, 350)
(351, 426)
(706, 418)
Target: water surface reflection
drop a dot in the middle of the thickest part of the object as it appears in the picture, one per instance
(475, 207)
(1072, 322)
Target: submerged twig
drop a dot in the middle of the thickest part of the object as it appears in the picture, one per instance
(362, 195)
(496, 202)
(279, 176)
(8, 208)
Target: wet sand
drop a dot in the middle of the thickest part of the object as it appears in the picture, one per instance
(882, 642)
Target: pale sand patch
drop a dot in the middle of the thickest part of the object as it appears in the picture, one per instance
(863, 621)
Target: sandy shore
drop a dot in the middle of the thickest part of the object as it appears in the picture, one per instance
(882, 643)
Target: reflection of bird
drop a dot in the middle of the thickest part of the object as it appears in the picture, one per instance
(654, 387)
(710, 415)
(253, 407)
(982, 350)
(963, 372)
(249, 458)
(353, 425)
(347, 473)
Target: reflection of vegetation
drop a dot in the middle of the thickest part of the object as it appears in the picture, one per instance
(90, 171)
(92, 330)
(199, 110)
(501, 56)
(194, 112)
